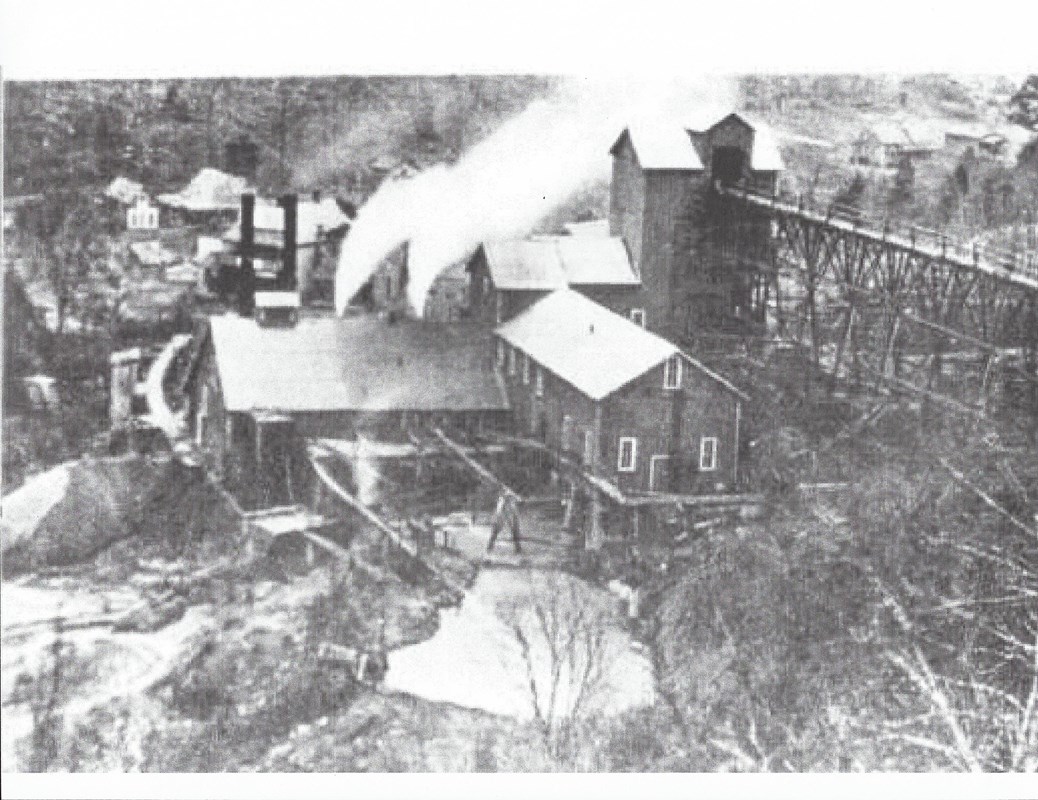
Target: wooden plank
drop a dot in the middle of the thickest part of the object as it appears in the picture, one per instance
(476, 467)
(362, 509)
(573, 468)
(379, 523)
(695, 500)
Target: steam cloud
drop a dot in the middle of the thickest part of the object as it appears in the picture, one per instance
(506, 184)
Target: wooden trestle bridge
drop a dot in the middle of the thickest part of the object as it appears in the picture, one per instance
(886, 306)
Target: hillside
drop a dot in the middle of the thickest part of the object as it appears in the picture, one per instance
(311, 132)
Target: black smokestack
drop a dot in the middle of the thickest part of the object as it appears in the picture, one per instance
(247, 276)
(287, 276)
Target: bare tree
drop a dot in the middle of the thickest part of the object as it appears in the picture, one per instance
(563, 644)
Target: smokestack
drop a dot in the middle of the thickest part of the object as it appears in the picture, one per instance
(247, 273)
(287, 276)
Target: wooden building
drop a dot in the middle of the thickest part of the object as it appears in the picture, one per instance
(661, 208)
(507, 277)
(260, 390)
(626, 402)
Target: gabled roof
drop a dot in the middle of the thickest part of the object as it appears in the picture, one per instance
(269, 221)
(591, 227)
(209, 190)
(354, 364)
(125, 191)
(663, 147)
(153, 254)
(591, 347)
(766, 156)
(584, 343)
(554, 262)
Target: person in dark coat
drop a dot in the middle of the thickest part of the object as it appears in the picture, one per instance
(506, 515)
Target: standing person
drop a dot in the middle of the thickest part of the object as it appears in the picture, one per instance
(513, 521)
(506, 513)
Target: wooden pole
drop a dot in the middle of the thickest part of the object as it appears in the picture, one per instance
(476, 467)
(379, 523)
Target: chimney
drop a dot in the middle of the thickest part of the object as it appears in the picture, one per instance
(247, 273)
(317, 196)
(286, 279)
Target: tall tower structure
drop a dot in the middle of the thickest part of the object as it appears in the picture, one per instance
(663, 206)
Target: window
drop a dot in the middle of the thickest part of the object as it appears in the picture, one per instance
(500, 353)
(539, 387)
(499, 308)
(526, 370)
(627, 454)
(567, 431)
(589, 450)
(638, 316)
(511, 361)
(708, 454)
(672, 373)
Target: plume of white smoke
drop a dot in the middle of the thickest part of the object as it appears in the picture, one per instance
(504, 185)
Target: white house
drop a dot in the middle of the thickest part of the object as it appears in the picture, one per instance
(142, 216)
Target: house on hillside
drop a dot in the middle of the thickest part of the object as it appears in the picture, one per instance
(625, 402)
(211, 199)
(142, 216)
(260, 390)
(125, 192)
(885, 143)
(506, 277)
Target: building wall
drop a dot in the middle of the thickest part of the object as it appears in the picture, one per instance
(665, 422)
(670, 424)
(627, 202)
(670, 227)
(732, 132)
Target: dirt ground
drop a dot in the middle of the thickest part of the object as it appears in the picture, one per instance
(229, 681)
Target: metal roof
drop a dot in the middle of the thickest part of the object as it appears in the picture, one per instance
(126, 191)
(209, 190)
(592, 348)
(584, 343)
(355, 364)
(554, 262)
(663, 147)
(591, 227)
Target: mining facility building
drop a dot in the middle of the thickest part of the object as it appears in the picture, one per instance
(563, 347)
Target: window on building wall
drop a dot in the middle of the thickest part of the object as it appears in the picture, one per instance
(526, 369)
(539, 387)
(567, 432)
(708, 454)
(638, 316)
(500, 353)
(627, 454)
(511, 361)
(589, 451)
(672, 373)
(499, 308)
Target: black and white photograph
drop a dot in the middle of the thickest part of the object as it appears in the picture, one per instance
(458, 419)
